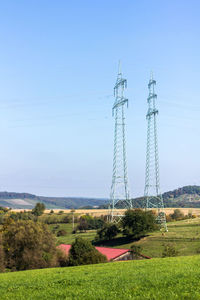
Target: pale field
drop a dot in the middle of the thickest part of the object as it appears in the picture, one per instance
(99, 212)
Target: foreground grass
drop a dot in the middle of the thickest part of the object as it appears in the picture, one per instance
(169, 278)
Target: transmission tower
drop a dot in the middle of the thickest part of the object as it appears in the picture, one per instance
(152, 194)
(119, 189)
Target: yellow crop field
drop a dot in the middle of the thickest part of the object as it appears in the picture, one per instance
(99, 212)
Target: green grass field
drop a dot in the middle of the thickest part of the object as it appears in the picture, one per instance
(69, 238)
(162, 278)
(183, 235)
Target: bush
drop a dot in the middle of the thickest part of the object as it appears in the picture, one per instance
(61, 232)
(169, 251)
(177, 215)
(62, 258)
(22, 215)
(2, 266)
(39, 209)
(136, 251)
(2, 218)
(83, 224)
(82, 252)
(97, 223)
(28, 245)
(136, 223)
(198, 250)
(108, 232)
(55, 219)
(87, 222)
(66, 219)
(169, 218)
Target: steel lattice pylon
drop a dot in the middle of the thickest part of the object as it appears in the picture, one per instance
(153, 197)
(119, 187)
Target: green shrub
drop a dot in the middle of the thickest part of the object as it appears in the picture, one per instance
(61, 232)
(88, 222)
(82, 252)
(83, 224)
(62, 258)
(198, 250)
(169, 218)
(136, 251)
(2, 265)
(169, 251)
(54, 218)
(2, 218)
(108, 232)
(22, 215)
(39, 209)
(177, 215)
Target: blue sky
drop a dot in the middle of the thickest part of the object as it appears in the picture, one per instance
(58, 66)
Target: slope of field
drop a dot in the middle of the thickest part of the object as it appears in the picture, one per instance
(169, 278)
(28, 201)
(183, 235)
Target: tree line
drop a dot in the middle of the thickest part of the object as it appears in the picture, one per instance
(27, 243)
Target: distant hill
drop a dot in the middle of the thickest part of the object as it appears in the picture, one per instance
(28, 201)
(187, 196)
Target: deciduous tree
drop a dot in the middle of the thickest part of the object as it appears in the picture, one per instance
(108, 232)
(2, 265)
(82, 252)
(39, 209)
(137, 222)
(28, 245)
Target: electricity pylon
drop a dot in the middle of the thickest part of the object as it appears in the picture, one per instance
(152, 194)
(119, 194)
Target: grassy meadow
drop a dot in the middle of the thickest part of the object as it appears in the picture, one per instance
(161, 278)
(183, 235)
(69, 238)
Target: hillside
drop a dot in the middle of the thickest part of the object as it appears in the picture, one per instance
(187, 196)
(28, 201)
(164, 278)
(184, 235)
